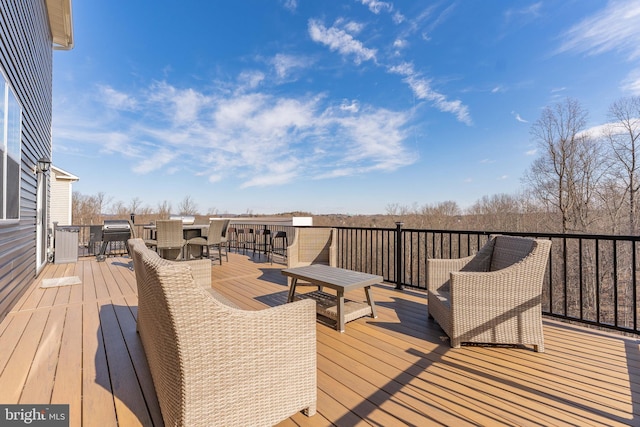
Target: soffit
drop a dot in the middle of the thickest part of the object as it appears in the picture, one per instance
(60, 21)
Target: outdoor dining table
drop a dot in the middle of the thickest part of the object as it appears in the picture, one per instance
(335, 307)
(189, 231)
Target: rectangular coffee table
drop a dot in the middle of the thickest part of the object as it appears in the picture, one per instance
(335, 307)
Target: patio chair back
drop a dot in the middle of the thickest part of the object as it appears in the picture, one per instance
(170, 237)
(216, 228)
(313, 245)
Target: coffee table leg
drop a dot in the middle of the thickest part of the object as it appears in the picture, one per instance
(367, 292)
(292, 289)
(340, 307)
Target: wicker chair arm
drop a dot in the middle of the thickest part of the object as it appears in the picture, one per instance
(201, 271)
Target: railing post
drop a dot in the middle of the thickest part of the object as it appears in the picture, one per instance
(399, 256)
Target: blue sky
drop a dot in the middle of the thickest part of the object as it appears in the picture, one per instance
(325, 106)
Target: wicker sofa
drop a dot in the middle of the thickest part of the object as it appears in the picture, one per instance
(214, 364)
(494, 296)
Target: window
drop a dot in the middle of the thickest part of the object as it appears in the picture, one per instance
(10, 153)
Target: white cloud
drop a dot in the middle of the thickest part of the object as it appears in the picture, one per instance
(353, 27)
(398, 18)
(518, 118)
(614, 28)
(421, 88)
(341, 41)
(532, 152)
(155, 161)
(400, 43)
(115, 99)
(531, 11)
(631, 83)
(250, 80)
(253, 138)
(291, 5)
(285, 64)
(181, 106)
(377, 6)
(350, 106)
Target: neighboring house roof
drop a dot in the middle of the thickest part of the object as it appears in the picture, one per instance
(63, 175)
(61, 23)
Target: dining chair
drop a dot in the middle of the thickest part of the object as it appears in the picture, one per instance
(213, 239)
(225, 229)
(279, 248)
(262, 242)
(151, 243)
(170, 240)
(250, 239)
(241, 240)
(232, 238)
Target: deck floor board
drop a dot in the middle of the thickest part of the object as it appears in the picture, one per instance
(78, 345)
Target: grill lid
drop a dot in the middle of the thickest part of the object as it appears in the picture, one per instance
(115, 225)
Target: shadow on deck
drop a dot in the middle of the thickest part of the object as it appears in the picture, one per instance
(78, 345)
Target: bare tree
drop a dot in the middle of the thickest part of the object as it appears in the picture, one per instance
(86, 209)
(135, 205)
(188, 206)
(623, 135)
(566, 174)
(164, 209)
(119, 209)
(438, 215)
(102, 201)
(497, 212)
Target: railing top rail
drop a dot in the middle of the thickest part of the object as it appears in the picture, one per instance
(511, 233)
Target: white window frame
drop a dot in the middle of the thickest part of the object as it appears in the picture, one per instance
(11, 146)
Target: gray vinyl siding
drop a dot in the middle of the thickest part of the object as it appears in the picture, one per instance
(26, 60)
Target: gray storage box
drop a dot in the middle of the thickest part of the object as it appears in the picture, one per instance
(66, 245)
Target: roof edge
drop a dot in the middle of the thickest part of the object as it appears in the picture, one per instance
(61, 23)
(63, 174)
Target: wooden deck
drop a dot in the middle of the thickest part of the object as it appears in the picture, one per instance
(77, 345)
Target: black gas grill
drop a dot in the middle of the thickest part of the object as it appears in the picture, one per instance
(114, 232)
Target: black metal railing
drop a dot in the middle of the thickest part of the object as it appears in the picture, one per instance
(591, 279)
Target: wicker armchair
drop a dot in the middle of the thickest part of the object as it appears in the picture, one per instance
(213, 364)
(312, 246)
(492, 297)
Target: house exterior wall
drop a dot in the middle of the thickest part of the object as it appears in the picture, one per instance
(26, 63)
(60, 208)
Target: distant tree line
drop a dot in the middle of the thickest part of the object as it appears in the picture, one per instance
(88, 210)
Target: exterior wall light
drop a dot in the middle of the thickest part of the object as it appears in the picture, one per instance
(43, 165)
